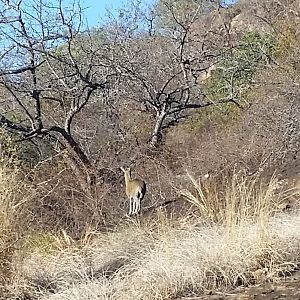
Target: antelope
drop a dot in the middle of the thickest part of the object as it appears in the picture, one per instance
(135, 191)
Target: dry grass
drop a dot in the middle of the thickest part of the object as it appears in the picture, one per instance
(181, 260)
(158, 258)
(14, 196)
(235, 198)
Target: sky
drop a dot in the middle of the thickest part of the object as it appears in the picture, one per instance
(96, 9)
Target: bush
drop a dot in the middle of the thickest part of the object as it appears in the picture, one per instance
(236, 69)
(233, 78)
(22, 154)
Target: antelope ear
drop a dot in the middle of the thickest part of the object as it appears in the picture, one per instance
(122, 169)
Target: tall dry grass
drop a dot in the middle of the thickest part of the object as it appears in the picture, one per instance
(14, 197)
(242, 240)
(235, 198)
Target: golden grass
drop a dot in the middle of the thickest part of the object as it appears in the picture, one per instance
(185, 259)
(247, 240)
(234, 199)
(8, 201)
(13, 199)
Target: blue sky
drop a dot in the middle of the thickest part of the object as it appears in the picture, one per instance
(96, 9)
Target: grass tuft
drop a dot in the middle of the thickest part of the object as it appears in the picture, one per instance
(235, 199)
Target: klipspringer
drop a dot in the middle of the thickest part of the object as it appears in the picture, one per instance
(135, 191)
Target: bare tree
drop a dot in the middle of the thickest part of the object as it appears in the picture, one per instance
(160, 71)
(50, 69)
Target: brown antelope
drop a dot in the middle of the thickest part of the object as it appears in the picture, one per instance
(135, 191)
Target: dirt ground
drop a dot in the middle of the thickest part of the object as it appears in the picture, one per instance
(288, 289)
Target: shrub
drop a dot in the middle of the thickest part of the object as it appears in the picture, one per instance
(236, 68)
(25, 154)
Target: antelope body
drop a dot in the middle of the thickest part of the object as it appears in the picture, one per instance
(135, 191)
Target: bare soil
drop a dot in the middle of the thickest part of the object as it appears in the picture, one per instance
(288, 288)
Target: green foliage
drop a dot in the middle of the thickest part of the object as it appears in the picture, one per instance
(236, 69)
(37, 242)
(220, 115)
(233, 78)
(81, 42)
(99, 35)
(287, 48)
(8, 149)
(24, 154)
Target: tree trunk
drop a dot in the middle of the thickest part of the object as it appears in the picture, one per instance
(78, 160)
(157, 131)
(72, 144)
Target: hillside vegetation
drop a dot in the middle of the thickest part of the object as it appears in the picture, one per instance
(199, 98)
